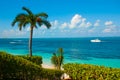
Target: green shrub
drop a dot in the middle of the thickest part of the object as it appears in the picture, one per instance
(91, 72)
(16, 67)
(35, 59)
(51, 74)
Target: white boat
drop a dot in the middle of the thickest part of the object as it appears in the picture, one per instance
(95, 40)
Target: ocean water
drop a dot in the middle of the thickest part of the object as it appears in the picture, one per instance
(76, 50)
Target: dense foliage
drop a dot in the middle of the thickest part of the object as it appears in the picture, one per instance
(35, 59)
(91, 72)
(57, 58)
(18, 68)
(51, 74)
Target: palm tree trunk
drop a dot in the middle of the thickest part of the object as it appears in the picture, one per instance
(30, 41)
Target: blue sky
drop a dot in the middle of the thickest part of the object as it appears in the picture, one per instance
(69, 18)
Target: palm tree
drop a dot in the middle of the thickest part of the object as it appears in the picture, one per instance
(33, 20)
(57, 58)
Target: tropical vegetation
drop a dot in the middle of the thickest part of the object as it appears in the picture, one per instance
(21, 68)
(18, 68)
(35, 59)
(91, 72)
(57, 58)
(34, 20)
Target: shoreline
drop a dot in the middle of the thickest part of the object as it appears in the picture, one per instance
(94, 61)
(48, 66)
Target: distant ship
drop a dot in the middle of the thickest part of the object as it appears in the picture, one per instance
(95, 40)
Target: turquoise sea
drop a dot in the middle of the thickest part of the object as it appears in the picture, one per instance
(76, 50)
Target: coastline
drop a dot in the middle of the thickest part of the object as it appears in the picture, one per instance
(48, 66)
(79, 50)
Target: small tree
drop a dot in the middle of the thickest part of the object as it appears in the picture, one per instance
(33, 20)
(57, 58)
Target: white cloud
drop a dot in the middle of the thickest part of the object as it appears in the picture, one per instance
(88, 24)
(107, 30)
(96, 24)
(28, 29)
(54, 24)
(85, 24)
(111, 28)
(64, 25)
(108, 23)
(79, 21)
(75, 21)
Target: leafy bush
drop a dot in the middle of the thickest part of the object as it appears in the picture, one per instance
(91, 72)
(51, 74)
(18, 68)
(35, 59)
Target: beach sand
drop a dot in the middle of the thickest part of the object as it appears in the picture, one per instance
(48, 66)
(63, 76)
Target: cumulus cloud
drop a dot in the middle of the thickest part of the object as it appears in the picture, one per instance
(54, 24)
(110, 28)
(86, 25)
(79, 21)
(75, 21)
(64, 25)
(95, 27)
(96, 24)
(108, 23)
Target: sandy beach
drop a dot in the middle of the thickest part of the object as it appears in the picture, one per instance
(48, 66)
(63, 76)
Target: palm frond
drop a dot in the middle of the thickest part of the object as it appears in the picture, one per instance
(60, 51)
(20, 28)
(36, 26)
(25, 23)
(13, 23)
(39, 23)
(22, 20)
(57, 58)
(54, 60)
(46, 23)
(20, 25)
(27, 10)
(42, 15)
(21, 16)
(18, 18)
